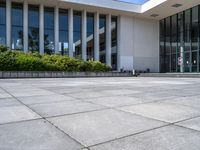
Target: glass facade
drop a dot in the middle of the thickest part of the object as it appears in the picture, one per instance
(63, 32)
(114, 43)
(17, 26)
(49, 46)
(33, 28)
(2, 22)
(102, 38)
(90, 36)
(180, 42)
(77, 25)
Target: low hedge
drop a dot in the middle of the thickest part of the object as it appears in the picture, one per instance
(20, 61)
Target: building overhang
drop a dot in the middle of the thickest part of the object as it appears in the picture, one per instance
(152, 9)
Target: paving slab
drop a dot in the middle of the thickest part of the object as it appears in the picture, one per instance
(85, 95)
(100, 126)
(154, 96)
(45, 99)
(163, 111)
(64, 108)
(9, 102)
(192, 101)
(4, 95)
(16, 113)
(120, 92)
(34, 135)
(115, 101)
(192, 123)
(165, 138)
(24, 93)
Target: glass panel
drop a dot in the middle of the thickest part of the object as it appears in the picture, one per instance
(187, 62)
(102, 38)
(63, 33)
(174, 34)
(33, 30)
(77, 21)
(180, 31)
(194, 61)
(2, 23)
(114, 43)
(187, 36)
(167, 38)
(90, 36)
(17, 26)
(195, 28)
(173, 63)
(49, 46)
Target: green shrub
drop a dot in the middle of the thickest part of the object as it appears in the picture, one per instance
(33, 61)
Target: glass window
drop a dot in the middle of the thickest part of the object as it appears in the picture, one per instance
(90, 36)
(77, 21)
(63, 32)
(49, 46)
(174, 34)
(2, 23)
(168, 35)
(102, 38)
(195, 28)
(17, 26)
(114, 43)
(187, 28)
(33, 28)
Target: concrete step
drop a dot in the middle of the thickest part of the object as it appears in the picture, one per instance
(175, 75)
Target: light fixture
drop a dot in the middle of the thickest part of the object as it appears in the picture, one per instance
(154, 15)
(176, 5)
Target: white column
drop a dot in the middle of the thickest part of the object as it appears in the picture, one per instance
(96, 36)
(25, 28)
(71, 32)
(8, 23)
(119, 43)
(108, 40)
(41, 29)
(84, 35)
(56, 24)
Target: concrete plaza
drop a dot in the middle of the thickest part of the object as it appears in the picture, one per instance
(100, 114)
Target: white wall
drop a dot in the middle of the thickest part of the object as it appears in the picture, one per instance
(140, 41)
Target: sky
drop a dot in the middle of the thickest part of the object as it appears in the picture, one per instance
(135, 1)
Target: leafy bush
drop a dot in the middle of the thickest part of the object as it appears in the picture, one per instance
(32, 61)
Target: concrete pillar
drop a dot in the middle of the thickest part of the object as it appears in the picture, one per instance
(96, 36)
(84, 35)
(71, 32)
(41, 29)
(119, 43)
(56, 27)
(8, 23)
(182, 59)
(25, 28)
(108, 39)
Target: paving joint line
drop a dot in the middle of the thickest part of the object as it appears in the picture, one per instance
(44, 118)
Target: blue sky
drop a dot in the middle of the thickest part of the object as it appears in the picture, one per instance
(134, 1)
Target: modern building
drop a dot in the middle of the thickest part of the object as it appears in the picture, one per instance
(160, 35)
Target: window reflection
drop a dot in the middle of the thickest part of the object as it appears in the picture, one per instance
(2, 23)
(33, 29)
(49, 46)
(114, 43)
(63, 32)
(77, 24)
(17, 26)
(102, 38)
(90, 36)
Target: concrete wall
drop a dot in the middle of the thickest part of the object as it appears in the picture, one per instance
(139, 44)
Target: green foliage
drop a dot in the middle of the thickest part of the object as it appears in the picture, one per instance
(33, 61)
